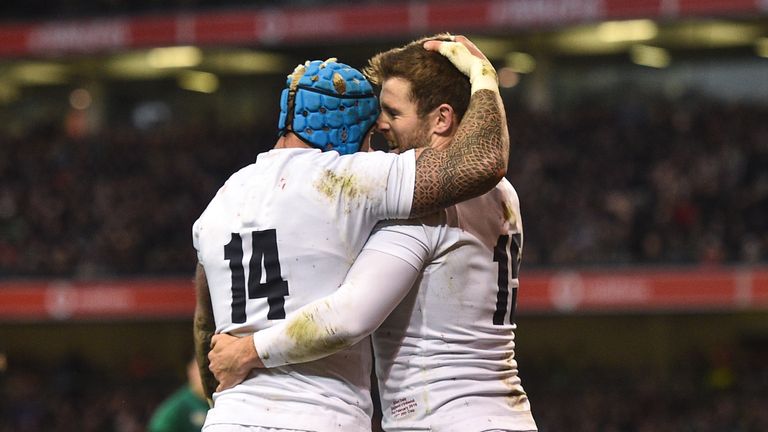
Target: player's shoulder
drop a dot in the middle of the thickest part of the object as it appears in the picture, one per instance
(242, 173)
(365, 164)
(368, 157)
(510, 204)
(303, 156)
(509, 191)
(505, 185)
(312, 155)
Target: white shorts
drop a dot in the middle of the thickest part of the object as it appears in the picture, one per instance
(245, 428)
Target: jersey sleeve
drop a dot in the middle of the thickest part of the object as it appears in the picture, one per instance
(405, 239)
(401, 183)
(385, 180)
(374, 286)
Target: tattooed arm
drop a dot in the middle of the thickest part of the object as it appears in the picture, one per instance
(477, 158)
(472, 165)
(204, 327)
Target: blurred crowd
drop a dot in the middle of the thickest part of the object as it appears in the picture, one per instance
(643, 181)
(600, 184)
(701, 395)
(120, 203)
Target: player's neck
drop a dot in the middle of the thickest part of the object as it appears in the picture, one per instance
(440, 142)
(290, 140)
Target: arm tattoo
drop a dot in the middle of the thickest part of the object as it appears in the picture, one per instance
(204, 327)
(473, 164)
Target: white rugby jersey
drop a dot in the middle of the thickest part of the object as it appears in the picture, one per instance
(445, 356)
(281, 233)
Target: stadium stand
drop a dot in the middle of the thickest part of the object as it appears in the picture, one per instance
(686, 186)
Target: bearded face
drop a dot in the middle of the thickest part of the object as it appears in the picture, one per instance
(399, 121)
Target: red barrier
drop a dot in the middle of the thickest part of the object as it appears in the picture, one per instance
(651, 290)
(115, 300)
(645, 290)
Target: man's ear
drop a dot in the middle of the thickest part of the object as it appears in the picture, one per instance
(445, 121)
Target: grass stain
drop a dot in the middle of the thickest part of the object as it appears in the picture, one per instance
(312, 340)
(332, 184)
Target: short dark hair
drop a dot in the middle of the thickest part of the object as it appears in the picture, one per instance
(434, 79)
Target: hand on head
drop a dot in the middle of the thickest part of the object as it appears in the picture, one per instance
(434, 45)
(469, 60)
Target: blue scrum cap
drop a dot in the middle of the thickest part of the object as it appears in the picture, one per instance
(328, 105)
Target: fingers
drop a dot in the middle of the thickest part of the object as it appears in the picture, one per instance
(221, 339)
(469, 60)
(227, 380)
(224, 385)
(221, 374)
(470, 46)
(434, 45)
(222, 361)
(457, 53)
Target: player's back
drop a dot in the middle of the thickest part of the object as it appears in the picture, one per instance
(445, 356)
(279, 234)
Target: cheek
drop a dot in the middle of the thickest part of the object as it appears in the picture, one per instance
(404, 127)
(409, 137)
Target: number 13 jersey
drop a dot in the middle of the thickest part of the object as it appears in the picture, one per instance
(445, 355)
(279, 234)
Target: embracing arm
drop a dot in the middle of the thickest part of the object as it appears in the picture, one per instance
(374, 286)
(477, 158)
(204, 327)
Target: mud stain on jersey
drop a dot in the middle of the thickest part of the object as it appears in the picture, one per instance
(516, 398)
(344, 185)
(312, 339)
(509, 213)
(331, 184)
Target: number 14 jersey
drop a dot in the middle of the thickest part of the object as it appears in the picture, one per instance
(279, 234)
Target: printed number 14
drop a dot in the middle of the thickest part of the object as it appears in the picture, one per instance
(274, 287)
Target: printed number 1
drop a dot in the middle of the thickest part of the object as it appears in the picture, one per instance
(502, 253)
(274, 288)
